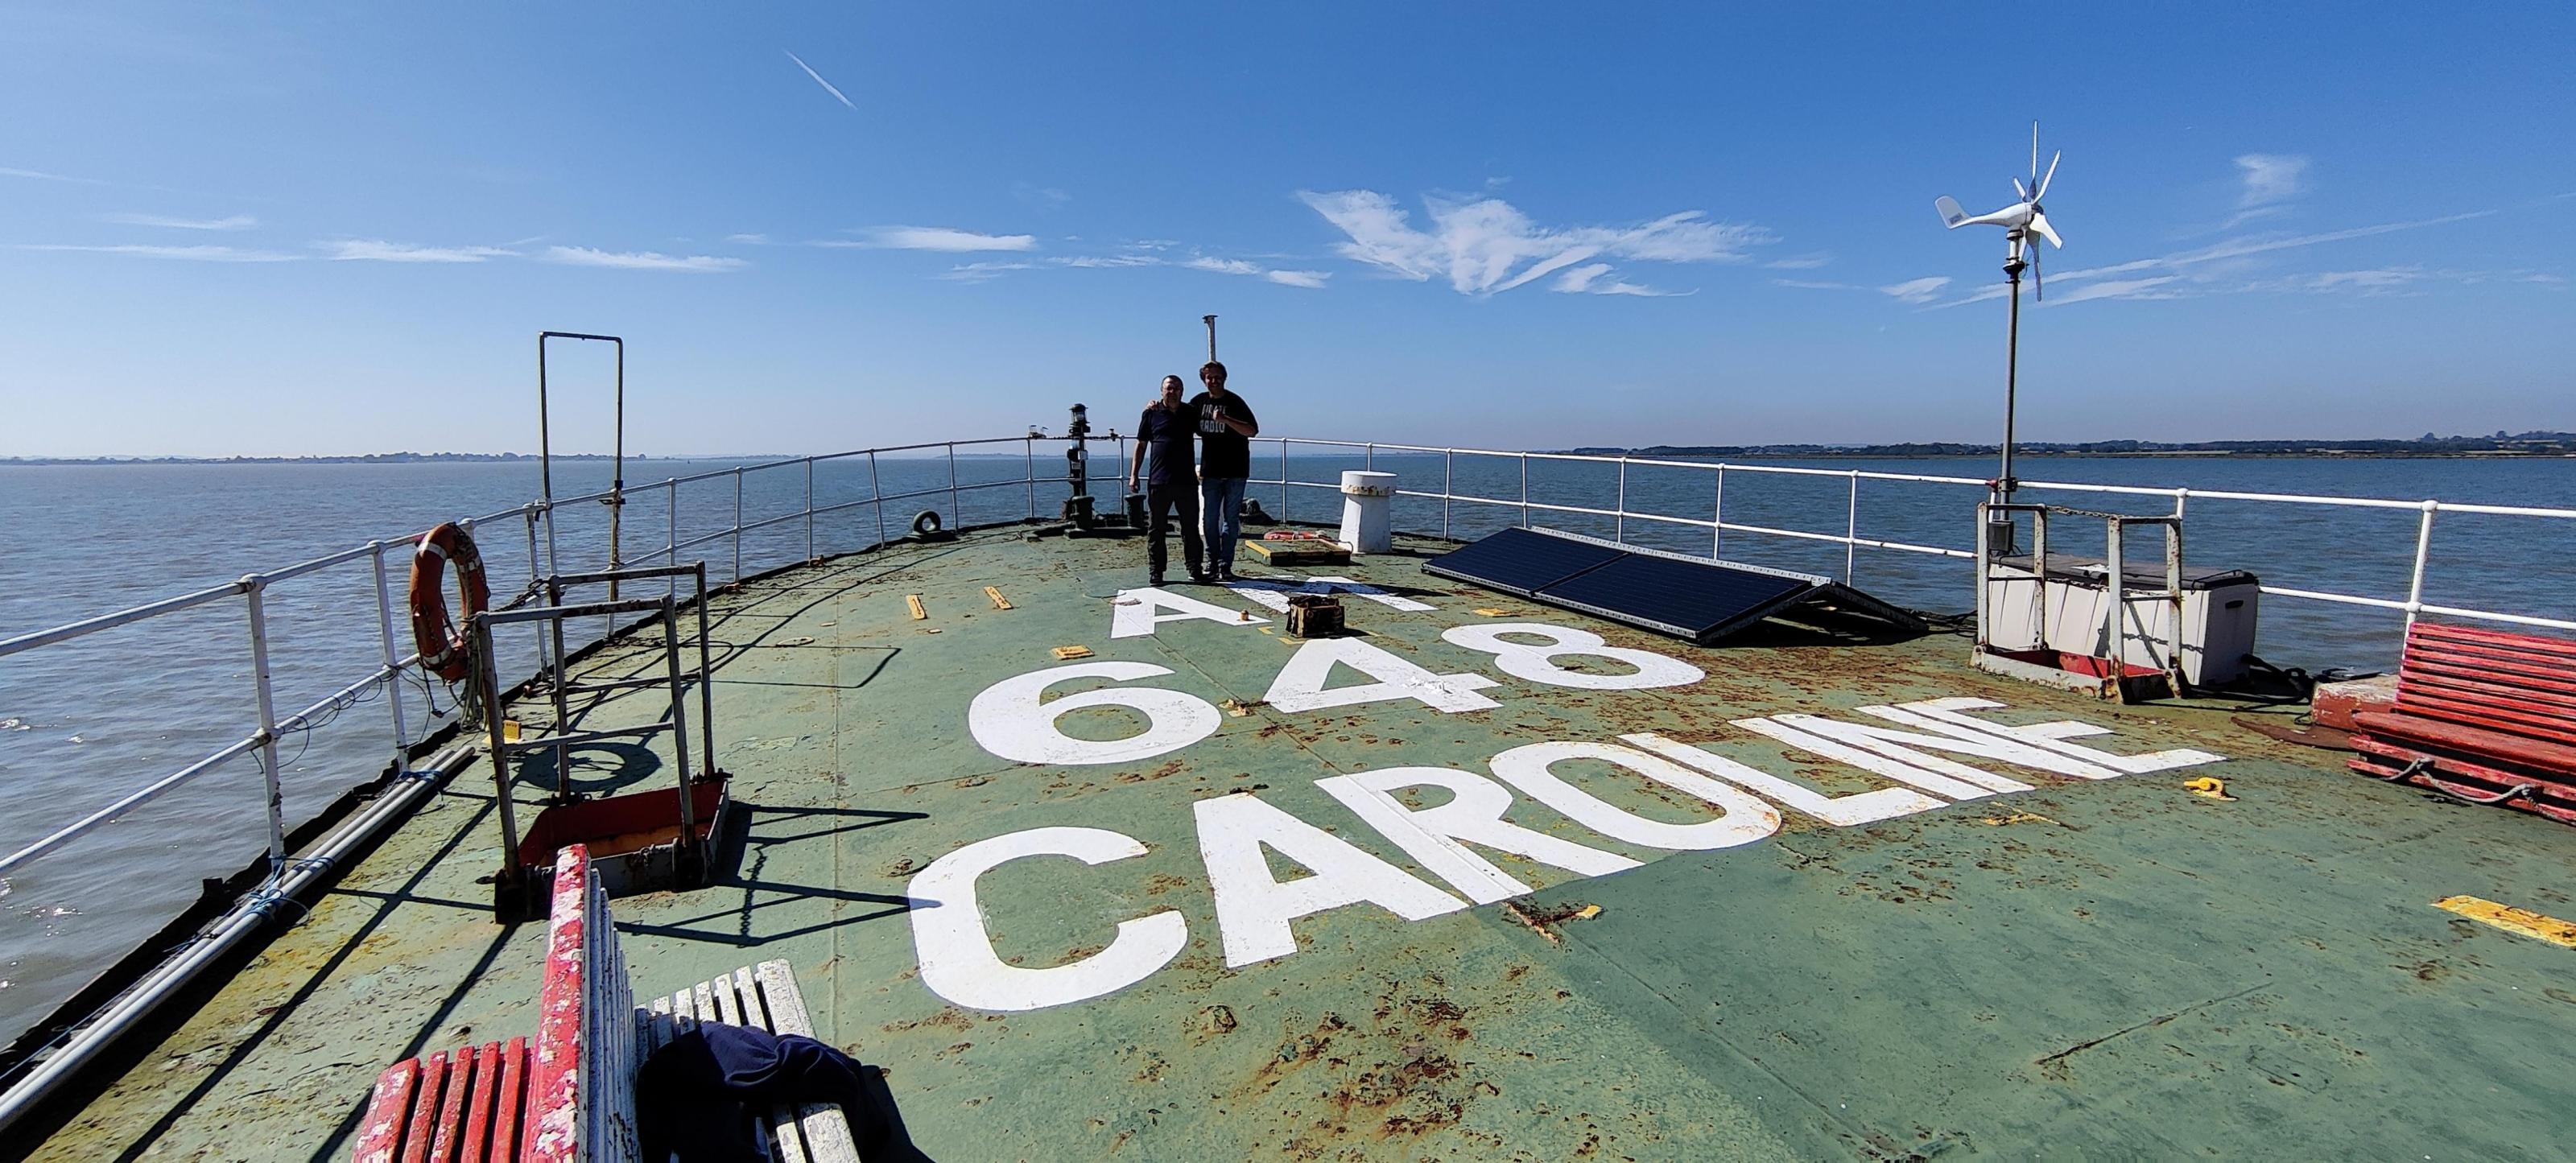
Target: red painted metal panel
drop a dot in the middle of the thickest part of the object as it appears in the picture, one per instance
(421, 1131)
(554, 1111)
(2542, 758)
(388, 1109)
(462, 1067)
(474, 1133)
(2462, 780)
(508, 1128)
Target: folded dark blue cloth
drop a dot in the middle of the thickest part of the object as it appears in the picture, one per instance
(695, 1097)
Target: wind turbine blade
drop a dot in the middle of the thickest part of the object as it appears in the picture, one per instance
(1951, 215)
(2039, 222)
(2034, 153)
(2038, 285)
(2044, 179)
(2022, 192)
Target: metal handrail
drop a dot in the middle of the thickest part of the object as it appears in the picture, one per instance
(2413, 605)
(388, 675)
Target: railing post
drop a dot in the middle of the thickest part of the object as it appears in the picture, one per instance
(1619, 523)
(809, 509)
(530, 514)
(1717, 517)
(1448, 487)
(737, 526)
(1368, 459)
(261, 685)
(1851, 528)
(2118, 580)
(1029, 458)
(393, 673)
(1524, 490)
(2423, 549)
(671, 524)
(956, 516)
(876, 493)
(1283, 480)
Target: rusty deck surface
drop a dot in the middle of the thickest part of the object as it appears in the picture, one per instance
(2101, 968)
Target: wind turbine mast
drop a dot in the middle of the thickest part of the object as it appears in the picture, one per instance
(2022, 221)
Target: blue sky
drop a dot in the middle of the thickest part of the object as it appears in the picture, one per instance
(299, 228)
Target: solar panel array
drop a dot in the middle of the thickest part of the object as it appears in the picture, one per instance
(1697, 598)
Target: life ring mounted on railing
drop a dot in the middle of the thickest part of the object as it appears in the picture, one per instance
(440, 641)
(926, 524)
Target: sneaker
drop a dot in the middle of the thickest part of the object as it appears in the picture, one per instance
(1202, 578)
(1157, 580)
(1227, 575)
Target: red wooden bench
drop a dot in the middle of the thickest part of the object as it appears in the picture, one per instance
(570, 1096)
(2482, 716)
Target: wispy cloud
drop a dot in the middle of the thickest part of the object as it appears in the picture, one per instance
(645, 260)
(939, 238)
(828, 87)
(1804, 262)
(1922, 290)
(2159, 287)
(1042, 197)
(1485, 247)
(976, 272)
(1223, 266)
(1819, 285)
(2207, 264)
(378, 250)
(42, 176)
(748, 239)
(236, 222)
(1310, 280)
(2270, 181)
(1105, 261)
(188, 253)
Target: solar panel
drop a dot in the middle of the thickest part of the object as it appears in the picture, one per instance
(1522, 561)
(1697, 598)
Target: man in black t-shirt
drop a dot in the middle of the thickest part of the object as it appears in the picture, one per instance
(1165, 432)
(1226, 428)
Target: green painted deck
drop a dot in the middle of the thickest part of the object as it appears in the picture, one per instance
(2112, 969)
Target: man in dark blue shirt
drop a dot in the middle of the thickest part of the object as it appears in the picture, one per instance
(1171, 480)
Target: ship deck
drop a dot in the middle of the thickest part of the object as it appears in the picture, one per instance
(2090, 968)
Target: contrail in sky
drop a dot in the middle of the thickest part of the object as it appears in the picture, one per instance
(828, 87)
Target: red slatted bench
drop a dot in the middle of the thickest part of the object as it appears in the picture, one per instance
(569, 1097)
(2482, 716)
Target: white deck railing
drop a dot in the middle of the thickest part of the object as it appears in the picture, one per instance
(538, 520)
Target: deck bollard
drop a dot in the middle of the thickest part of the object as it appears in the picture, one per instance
(1368, 504)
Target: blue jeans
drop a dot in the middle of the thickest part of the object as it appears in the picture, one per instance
(1221, 519)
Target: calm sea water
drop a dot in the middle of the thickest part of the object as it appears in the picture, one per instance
(85, 722)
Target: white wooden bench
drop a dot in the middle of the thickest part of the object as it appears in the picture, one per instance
(570, 1098)
(762, 997)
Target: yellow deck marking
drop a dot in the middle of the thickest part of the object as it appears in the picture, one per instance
(1072, 652)
(914, 600)
(2520, 922)
(1490, 613)
(995, 593)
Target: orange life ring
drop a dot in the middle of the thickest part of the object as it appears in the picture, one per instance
(441, 643)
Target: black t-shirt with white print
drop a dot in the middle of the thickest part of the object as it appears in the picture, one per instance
(1223, 452)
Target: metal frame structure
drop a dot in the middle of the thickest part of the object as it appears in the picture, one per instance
(2115, 629)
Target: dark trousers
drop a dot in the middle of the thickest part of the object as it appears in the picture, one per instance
(1179, 498)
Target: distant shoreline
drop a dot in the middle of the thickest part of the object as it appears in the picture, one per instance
(2526, 446)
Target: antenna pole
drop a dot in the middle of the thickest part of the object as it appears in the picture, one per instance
(1210, 320)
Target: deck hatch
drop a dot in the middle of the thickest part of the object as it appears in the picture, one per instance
(1696, 598)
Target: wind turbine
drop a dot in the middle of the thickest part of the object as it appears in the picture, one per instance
(2020, 221)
